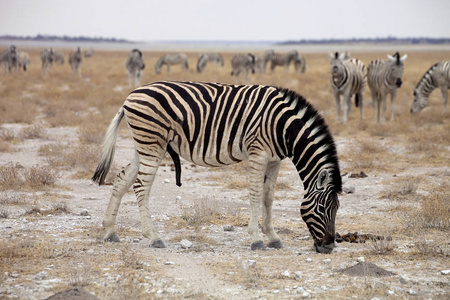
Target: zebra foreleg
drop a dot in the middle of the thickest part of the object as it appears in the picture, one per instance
(346, 104)
(338, 107)
(269, 190)
(444, 92)
(257, 167)
(122, 184)
(392, 108)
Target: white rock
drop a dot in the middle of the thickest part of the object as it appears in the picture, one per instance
(41, 275)
(445, 272)
(411, 292)
(360, 259)
(306, 295)
(84, 212)
(308, 260)
(390, 293)
(285, 274)
(169, 263)
(327, 261)
(166, 180)
(297, 274)
(185, 244)
(228, 228)
(178, 198)
(251, 263)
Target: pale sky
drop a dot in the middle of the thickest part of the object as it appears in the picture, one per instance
(226, 20)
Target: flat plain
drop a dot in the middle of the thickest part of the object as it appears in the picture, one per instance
(51, 132)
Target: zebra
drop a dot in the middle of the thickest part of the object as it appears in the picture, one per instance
(385, 77)
(75, 61)
(88, 53)
(213, 124)
(135, 64)
(8, 59)
(438, 76)
(59, 58)
(242, 63)
(23, 60)
(278, 59)
(347, 78)
(172, 59)
(261, 62)
(300, 64)
(47, 59)
(204, 58)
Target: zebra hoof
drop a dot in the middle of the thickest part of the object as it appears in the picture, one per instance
(275, 244)
(259, 245)
(113, 238)
(158, 244)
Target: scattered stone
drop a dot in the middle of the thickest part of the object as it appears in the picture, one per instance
(304, 238)
(178, 198)
(228, 228)
(412, 292)
(404, 280)
(77, 293)
(360, 259)
(367, 269)
(358, 175)
(84, 212)
(445, 272)
(349, 189)
(136, 240)
(297, 275)
(166, 180)
(327, 261)
(285, 274)
(169, 263)
(41, 275)
(15, 274)
(308, 260)
(185, 244)
(251, 263)
(390, 293)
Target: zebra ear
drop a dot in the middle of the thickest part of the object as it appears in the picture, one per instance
(404, 57)
(331, 56)
(322, 179)
(391, 58)
(342, 56)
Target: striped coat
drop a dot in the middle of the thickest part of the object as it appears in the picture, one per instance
(438, 76)
(135, 64)
(171, 59)
(8, 59)
(385, 77)
(214, 124)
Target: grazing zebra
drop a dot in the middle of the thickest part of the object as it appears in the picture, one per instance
(8, 59)
(59, 58)
(278, 59)
(75, 61)
(300, 64)
(261, 62)
(213, 124)
(204, 58)
(135, 64)
(385, 77)
(47, 59)
(242, 63)
(347, 78)
(172, 59)
(438, 76)
(23, 60)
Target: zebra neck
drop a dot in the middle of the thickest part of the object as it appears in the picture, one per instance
(426, 84)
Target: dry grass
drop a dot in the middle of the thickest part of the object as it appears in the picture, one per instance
(33, 132)
(402, 188)
(14, 176)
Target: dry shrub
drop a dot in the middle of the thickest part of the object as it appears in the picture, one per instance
(202, 212)
(131, 259)
(16, 177)
(32, 132)
(7, 135)
(403, 188)
(92, 130)
(81, 275)
(38, 177)
(8, 198)
(10, 177)
(367, 154)
(435, 209)
(4, 213)
(28, 249)
(383, 246)
(429, 249)
(18, 111)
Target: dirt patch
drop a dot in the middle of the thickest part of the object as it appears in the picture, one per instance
(367, 269)
(73, 294)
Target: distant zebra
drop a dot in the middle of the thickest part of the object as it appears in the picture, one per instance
(347, 78)
(438, 76)
(8, 59)
(47, 59)
(278, 59)
(75, 61)
(135, 64)
(215, 125)
(242, 63)
(300, 64)
(23, 60)
(172, 59)
(385, 77)
(261, 62)
(88, 53)
(204, 58)
(59, 58)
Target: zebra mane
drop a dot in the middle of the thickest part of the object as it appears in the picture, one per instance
(318, 127)
(426, 77)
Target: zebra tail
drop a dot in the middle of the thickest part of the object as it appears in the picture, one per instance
(109, 146)
(356, 100)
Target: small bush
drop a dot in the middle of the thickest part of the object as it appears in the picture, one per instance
(383, 246)
(4, 214)
(10, 177)
(32, 132)
(435, 210)
(39, 177)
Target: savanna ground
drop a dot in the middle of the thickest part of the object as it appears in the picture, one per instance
(50, 212)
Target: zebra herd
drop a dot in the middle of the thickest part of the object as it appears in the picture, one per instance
(348, 77)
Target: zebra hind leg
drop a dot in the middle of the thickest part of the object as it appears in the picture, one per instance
(122, 184)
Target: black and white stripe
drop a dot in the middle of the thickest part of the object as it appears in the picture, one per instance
(172, 59)
(23, 60)
(75, 61)
(242, 63)
(204, 58)
(385, 77)
(348, 77)
(135, 64)
(284, 60)
(438, 76)
(8, 59)
(214, 124)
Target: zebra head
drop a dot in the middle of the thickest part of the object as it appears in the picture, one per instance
(419, 102)
(13, 55)
(337, 68)
(319, 210)
(395, 71)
